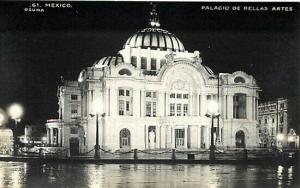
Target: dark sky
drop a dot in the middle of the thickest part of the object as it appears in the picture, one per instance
(36, 48)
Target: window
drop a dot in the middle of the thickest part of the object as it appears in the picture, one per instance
(259, 121)
(133, 61)
(153, 64)
(180, 101)
(239, 106)
(74, 97)
(154, 109)
(74, 111)
(282, 105)
(121, 107)
(172, 109)
(151, 103)
(127, 106)
(266, 120)
(273, 120)
(127, 93)
(73, 130)
(185, 109)
(178, 109)
(281, 118)
(125, 72)
(148, 94)
(239, 79)
(121, 92)
(143, 63)
(148, 109)
(162, 62)
(125, 101)
(185, 96)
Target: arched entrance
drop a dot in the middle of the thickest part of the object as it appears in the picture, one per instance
(240, 139)
(125, 138)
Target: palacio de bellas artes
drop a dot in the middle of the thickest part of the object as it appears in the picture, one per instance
(154, 94)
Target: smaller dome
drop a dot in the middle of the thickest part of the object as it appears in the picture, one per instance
(108, 61)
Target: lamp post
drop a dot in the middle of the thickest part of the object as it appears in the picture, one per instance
(96, 112)
(213, 113)
(15, 111)
(2, 118)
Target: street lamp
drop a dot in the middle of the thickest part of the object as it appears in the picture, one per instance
(96, 112)
(279, 139)
(2, 118)
(15, 111)
(213, 113)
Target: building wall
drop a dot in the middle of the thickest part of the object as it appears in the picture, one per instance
(273, 120)
(99, 91)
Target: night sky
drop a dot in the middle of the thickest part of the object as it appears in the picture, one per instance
(37, 48)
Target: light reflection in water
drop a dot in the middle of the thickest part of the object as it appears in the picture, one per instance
(19, 175)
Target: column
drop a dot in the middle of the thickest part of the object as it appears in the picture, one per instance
(199, 136)
(58, 137)
(197, 101)
(203, 104)
(230, 106)
(157, 137)
(146, 135)
(185, 136)
(136, 103)
(51, 136)
(114, 111)
(160, 109)
(173, 137)
(191, 108)
(89, 102)
(253, 108)
(248, 107)
(142, 104)
(167, 103)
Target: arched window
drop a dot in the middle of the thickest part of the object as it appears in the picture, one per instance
(239, 106)
(239, 79)
(124, 138)
(125, 72)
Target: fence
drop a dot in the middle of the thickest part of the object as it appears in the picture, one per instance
(135, 154)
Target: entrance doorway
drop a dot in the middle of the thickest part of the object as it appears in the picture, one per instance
(125, 138)
(179, 138)
(74, 146)
(240, 139)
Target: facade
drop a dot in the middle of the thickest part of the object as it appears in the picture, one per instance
(154, 94)
(6, 141)
(273, 123)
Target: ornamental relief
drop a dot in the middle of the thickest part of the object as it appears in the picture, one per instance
(180, 85)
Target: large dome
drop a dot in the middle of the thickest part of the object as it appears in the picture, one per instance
(155, 38)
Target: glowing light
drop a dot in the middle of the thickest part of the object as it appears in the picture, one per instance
(2, 118)
(96, 108)
(213, 107)
(290, 139)
(15, 111)
(280, 137)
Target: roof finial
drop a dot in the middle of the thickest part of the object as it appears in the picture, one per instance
(154, 19)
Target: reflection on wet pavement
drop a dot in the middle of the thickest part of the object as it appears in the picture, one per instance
(19, 175)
